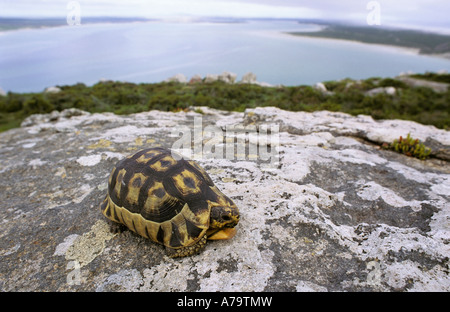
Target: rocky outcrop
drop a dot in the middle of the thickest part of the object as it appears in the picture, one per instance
(196, 79)
(179, 78)
(211, 78)
(413, 82)
(249, 78)
(320, 86)
(333, 212)
(227, 77)
(382, 90)
(52, 90)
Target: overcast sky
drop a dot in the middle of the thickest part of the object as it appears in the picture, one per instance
(415, 13)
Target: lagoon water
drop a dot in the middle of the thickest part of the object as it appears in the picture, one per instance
(33, 59)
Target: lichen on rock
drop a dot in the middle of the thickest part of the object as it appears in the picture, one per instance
(335, 213)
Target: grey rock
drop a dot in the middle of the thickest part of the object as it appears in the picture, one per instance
(413, 82)
(335, 213)
(52, 90)
(180, 78)
(211, 78)
(382, 90)
(196, 79)
(249, 78)
(227, 77)
(42, 119)
(264, 84)
(321, 87)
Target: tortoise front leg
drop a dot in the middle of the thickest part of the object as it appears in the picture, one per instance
(188, 250)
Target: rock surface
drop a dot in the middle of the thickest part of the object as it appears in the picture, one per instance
(382, 90)
(227, 77)
(52, 90)
(335, 213)
(180, 78)
(436, 86)
(249, 78)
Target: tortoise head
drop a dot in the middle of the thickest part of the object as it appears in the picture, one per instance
(223, 219)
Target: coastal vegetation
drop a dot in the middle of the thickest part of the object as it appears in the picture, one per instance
(425, 42)
(421, 104)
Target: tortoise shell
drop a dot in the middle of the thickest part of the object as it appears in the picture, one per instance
(170, 200)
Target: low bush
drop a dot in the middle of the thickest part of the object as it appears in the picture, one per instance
(420, 104)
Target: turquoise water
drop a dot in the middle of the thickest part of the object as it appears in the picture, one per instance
(33, 59)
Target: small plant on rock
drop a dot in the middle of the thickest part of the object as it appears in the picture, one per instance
(410, 147)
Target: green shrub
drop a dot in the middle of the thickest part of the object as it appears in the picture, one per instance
(419, 104)
(389, 82)
(410, 147)
(37, 104)
(13, 102)
(445, 78)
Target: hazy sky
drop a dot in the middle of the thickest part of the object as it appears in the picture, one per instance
(415, 13)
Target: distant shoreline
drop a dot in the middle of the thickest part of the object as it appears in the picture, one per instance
(411, 41)
(417, 42)
(10, 24)
(415, 51)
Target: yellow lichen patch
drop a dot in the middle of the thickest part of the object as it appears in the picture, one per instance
(139, 141)
(102, 143)
(91, 244)
(61, 172)
(228, 180)
(216, 171)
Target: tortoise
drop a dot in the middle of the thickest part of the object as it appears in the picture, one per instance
(169, 199)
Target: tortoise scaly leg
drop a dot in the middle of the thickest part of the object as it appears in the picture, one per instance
(117, 228)
(186, 251)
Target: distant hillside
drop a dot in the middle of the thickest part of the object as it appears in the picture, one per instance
(427, 43)
(17, 23)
